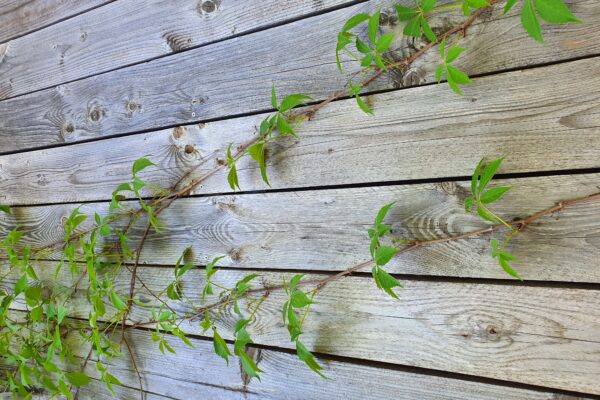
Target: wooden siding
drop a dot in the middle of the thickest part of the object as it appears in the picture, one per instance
(88, 87)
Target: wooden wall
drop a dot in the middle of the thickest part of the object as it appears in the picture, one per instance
(87, 87)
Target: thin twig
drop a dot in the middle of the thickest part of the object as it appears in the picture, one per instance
(135, 367)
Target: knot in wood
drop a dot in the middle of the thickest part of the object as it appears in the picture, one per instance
(189, 148)
(208, 6)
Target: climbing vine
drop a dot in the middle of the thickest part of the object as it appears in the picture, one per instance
(40, 338)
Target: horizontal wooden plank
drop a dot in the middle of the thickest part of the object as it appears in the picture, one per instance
(545, 336)
(327, 230)
(537, 119)
(18, 17)
(207, 376)
(234, 76)
(132, 31)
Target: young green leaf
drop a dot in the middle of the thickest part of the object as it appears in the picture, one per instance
(220, 346)
(257, 152)
(405, 13)
(374, 27)
(355, 21)
(5, 209)
(530, 22)
(384, 254)
(77, 379)
(385, 281)
(141, 164)
(554, 11)
(292, 101)
(299, 299)
(274, 97)
(363, 106)
(384, 42)
(308, 358)
(494, 194)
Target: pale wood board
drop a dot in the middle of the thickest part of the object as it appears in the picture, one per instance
(235, 77)
(18, 17)
(132, 31)
(197, 372)
(327, 229)
(537, 119)
(545, 336)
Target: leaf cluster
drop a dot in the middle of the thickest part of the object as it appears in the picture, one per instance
(552, 11)
(382, 254)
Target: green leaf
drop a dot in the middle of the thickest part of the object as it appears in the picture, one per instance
(379, 62)
(367, 60)
(494, 194)
(509, 4)
(427, 30)
(475, 178)
(363, 106)
(384, 254)
(362, 46)
(507, 268)
(469, 202)
(21, 285)
(355, 21)
(413, 27)
(458, 76)
(232, 178)
(483, 214)
(220, 346)
(530, 22)
(249, 366)
(257, 152)
(427, 5)
(554, 11)
(173, 291)
(488, 173)
(77, 379)
(405, 13)
(292, 101)
(299, 299)
(273, 97)
(308, 358)
(374, 27)
(384, 42)
(117, 302)
(476, 4)
(438, 72)
(5, 209)
(385, 281)
(343, 41)
(295, 280)
(453, 54)
(206, 323)
(140, 164)
(383, 211)
(284, 127)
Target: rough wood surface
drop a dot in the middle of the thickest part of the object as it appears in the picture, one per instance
(544, 336)
(234, 77)
(18, 17)
(327, 230)
(131, 31)
(536, 118)
(284, 379)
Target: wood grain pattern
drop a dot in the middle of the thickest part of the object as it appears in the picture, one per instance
(205, 375)
(132, 31)
(537, 335)
(234, 77)
(537, 119)
(326, 230)
(18, 17)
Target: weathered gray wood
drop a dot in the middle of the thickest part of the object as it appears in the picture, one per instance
(544, 336)
(131, 31)
(327, 230)
(196, 372)
(536, 118)
(235, 76)
(18, 17)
